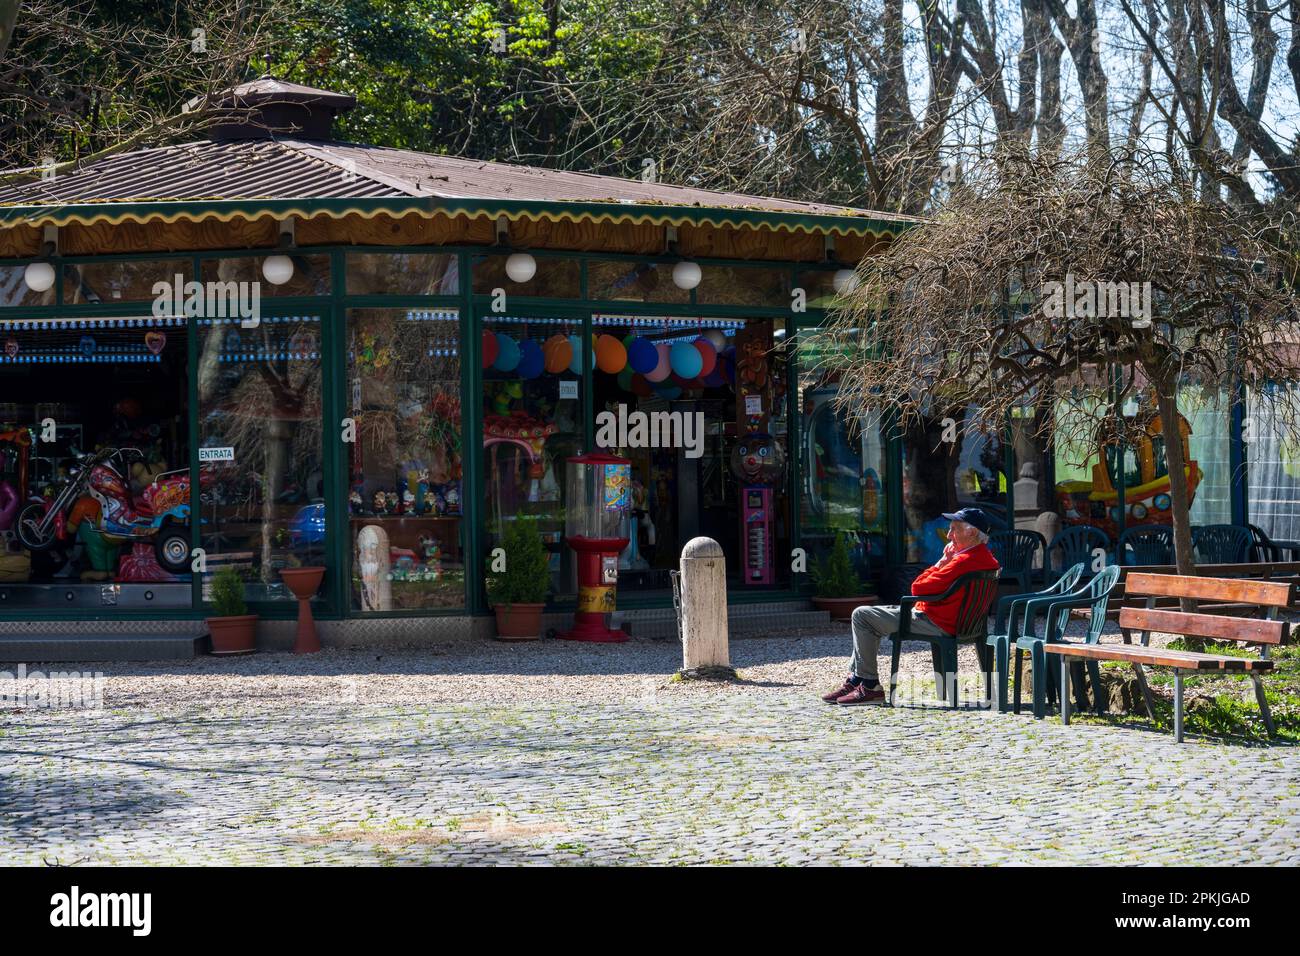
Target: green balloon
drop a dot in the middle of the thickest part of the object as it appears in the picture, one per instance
(625, 379)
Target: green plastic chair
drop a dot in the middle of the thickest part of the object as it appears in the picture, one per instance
(1014, 617)
(1093, 596)
(972, 625)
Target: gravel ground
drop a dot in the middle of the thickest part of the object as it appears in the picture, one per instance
(559, 753)
(465, 672)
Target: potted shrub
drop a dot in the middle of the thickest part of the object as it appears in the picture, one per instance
(233, 629)
(836, 585)
(518, 593)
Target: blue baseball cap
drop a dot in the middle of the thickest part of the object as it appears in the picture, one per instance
(972, 516)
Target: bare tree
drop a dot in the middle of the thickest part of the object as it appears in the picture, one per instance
(1038, 274)
(80, 80)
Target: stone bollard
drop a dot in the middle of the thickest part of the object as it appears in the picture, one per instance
(703, 585)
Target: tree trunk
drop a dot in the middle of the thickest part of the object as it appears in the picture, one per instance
(1180, 504)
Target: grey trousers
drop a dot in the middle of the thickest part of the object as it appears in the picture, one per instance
(871, 624)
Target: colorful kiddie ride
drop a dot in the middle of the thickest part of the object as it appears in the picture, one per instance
(96, 506)
(758, 463)
(600, 498)
(1141, 462)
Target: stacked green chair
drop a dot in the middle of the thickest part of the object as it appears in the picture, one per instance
(1014, 617)
(980, 587)
(1076, 543)
(1145, 544)
(1222, 544)
(1016, 551)
(1093, 596)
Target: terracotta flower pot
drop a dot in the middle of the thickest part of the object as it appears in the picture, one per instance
(518, 622)
(233, 635)
(303, 582)
(841, 609)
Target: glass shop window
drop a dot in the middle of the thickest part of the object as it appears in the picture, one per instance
(1273, 462)
(262, 478)
(949, 462)
(292, 272)
(135, 280)
(14, 290)
(403, 273)
(532, 421)
(407, 533)
(553, 277)
(623, 280)
(842, 460)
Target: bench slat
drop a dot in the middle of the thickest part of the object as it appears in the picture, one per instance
(1246, 630)
(1267, 593)
(1160, 657)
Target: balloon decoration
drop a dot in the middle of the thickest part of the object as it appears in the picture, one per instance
(668, 391)
(507, 359)
(641, 387)
(611, 356)
(576, 362)
(557, 353)
(490, 348)
(531, 361)
(708, 356)
(624, 378)
(663, 365)
(717, 338)
(642, 356)
(685, 359)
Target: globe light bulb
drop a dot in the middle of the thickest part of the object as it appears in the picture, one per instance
(521, 267)
(277, 269)
(39, 276)
(687, 274)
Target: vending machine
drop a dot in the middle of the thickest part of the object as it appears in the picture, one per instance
(599, 500)
(758, 463)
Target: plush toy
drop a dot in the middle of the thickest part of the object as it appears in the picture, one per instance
(379, 503)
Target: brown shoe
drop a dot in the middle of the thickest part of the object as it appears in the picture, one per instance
(862, 694)
(838, 692)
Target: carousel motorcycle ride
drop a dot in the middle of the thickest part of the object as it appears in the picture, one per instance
(161, 513)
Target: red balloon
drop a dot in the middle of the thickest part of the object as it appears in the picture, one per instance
(641, 386)
(490, 348)
(708, 354)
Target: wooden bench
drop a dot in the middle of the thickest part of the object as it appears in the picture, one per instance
(1282, 572)
(1268, 596)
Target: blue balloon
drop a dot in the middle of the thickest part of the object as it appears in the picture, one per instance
(642, 356)
(668, 391)
(686, 360)
(531, 360)
(575, 364)
(507, 353)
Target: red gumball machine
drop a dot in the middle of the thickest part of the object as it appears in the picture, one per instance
(599, 501)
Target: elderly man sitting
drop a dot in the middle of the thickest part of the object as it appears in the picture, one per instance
(967, 550)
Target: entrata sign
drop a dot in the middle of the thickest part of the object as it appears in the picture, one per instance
(217, 454)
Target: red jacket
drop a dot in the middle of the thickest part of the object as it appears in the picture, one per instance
(937, 579)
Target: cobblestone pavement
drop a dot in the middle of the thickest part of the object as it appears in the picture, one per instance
(669, 773)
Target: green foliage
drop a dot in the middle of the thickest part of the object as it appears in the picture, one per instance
(833, 576)
(228, 593)
(527, 577)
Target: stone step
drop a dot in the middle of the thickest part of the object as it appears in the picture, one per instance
(35, 648)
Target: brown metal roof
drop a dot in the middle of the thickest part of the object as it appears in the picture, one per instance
(296, 169)
(238, 169)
